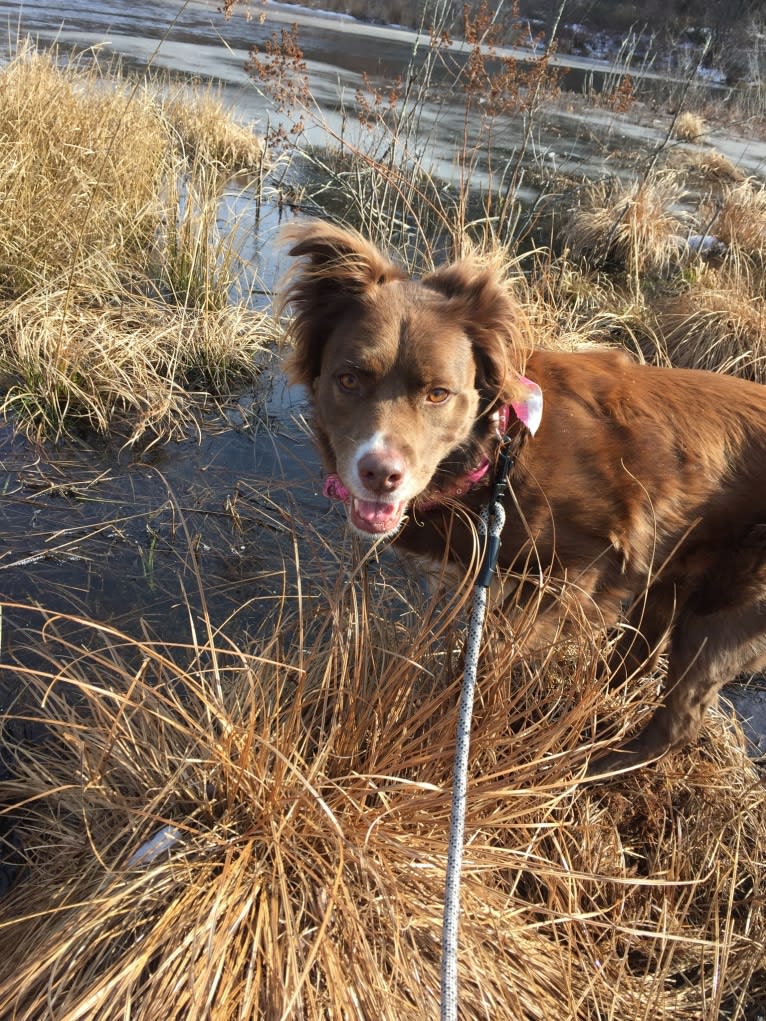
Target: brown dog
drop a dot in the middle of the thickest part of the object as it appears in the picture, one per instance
(641, 495)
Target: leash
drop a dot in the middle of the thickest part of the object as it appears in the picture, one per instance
(492, 521)
(528, 410)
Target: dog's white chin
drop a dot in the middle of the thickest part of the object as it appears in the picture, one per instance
(375, 519)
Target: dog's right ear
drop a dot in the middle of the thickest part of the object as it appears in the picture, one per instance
(336, 269)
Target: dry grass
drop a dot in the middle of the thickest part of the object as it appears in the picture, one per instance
(208, 129)
(689, 127)
(714, 316)
(714, 167)
(111, 254)
(633, 227)
(741, 220)
(131, 362)
(81, 172)
(309, 795)
(571, 307)
(721, 328)
(673, 284)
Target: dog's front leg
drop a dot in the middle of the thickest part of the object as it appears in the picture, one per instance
(643, 637)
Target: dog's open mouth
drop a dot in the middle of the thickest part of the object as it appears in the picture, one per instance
(375, 516)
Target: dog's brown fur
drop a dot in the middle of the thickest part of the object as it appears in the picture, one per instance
(643, 490)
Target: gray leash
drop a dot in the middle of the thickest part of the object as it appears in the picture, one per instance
(493, 519)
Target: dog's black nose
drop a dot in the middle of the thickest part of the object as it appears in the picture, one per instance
(381, 471)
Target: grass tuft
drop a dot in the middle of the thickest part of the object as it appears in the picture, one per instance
(117, 281)
(721, 328)
(715, 168)
(741, 221)
(134, 363)
(304, 801)
(632, 227)
(209, 131)
(689, 126)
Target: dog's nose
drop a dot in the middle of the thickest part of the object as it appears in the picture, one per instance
(381, 471)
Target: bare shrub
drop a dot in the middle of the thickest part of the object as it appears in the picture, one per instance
(384, 175)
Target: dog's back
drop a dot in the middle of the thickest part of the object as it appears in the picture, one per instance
(649, 461)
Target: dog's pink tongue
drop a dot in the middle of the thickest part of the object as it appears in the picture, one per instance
(374, 516)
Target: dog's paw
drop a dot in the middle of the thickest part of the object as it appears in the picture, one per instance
(627, 759)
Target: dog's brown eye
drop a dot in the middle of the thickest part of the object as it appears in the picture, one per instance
(348, 381)
(438, 395)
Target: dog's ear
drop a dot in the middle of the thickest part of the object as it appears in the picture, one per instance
(336, 268)
(482, 300)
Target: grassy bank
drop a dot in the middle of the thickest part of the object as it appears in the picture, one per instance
(119, 293)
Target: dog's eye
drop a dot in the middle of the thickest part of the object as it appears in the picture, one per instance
(438, 395)
(347, 381)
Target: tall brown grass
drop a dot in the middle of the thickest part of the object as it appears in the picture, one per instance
(722, 328)
(675, 278)
(303, 793)
(714, 318)
(741, 219)
(113, 265)
(634, 226)
(208, 129)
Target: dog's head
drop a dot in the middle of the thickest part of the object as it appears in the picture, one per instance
(406, 376)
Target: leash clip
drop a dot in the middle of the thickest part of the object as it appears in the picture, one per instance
(493, 514)
(506, 459)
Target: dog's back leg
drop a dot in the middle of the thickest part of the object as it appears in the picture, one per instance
(719, 632)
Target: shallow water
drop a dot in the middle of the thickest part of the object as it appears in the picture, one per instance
(112, 534)
(195, 40)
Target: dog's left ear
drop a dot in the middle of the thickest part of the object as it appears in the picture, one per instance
(336, 269)
(481, 299)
